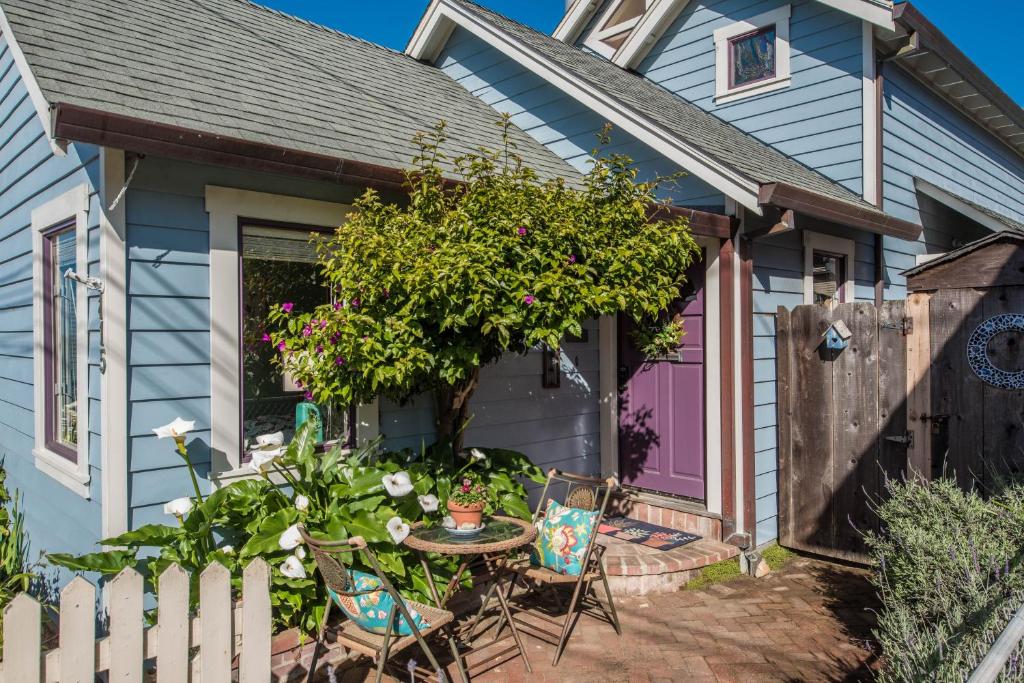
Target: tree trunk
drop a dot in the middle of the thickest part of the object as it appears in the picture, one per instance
(453, 409)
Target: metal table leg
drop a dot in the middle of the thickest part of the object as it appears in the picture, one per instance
(437, 600)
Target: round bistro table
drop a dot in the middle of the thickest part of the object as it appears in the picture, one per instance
(499, 538)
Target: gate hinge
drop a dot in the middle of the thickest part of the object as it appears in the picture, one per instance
(905, 439)
(904, 325)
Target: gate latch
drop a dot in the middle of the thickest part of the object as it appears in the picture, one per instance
(905, 439)
(904, 325)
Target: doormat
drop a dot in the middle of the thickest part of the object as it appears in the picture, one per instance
(650, 535)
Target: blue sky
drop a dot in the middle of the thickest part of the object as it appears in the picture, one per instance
(971, 25)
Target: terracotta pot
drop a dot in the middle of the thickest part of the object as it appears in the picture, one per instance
(466, 513)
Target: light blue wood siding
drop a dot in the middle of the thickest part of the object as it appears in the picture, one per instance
(57, 520)
(816, 120)
(168, 245)
(924, 136)
(559, 122)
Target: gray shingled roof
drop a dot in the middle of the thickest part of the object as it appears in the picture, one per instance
(722, 141)
(1010, 223)
(237, 69)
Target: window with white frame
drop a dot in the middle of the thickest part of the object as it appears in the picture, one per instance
(615, 25)
(60, 338)
(752, 56)
(828, 269)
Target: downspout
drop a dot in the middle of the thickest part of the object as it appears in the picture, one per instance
(879, 184)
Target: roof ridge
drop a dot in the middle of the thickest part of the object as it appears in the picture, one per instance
(323, 27)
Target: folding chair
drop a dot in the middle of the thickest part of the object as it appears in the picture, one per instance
(351, 635)
(581, 492)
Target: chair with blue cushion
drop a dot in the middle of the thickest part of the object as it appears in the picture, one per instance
(379, 622)
(565, 555)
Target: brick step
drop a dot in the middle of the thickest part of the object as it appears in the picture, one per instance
(672, 514)
(635, 569)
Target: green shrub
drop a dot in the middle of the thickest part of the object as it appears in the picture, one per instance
(15, 572)
(715, 573)
(948, 572)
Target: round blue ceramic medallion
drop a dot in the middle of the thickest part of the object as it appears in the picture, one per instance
(977, 351)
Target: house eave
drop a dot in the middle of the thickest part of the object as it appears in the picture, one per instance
(575, 19)
(809, 203)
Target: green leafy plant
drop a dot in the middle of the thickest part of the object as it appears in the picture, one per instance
(16, 573)
(430, 291)
(336, 495)
(470, 490)
(949, 575)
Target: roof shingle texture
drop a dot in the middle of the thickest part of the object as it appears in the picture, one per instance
(686, 121)
(237, 69)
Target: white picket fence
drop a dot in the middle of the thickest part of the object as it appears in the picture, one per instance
(221, 631)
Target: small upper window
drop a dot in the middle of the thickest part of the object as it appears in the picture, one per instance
(60, 346)
(828, 269)
(829, 276)
(752, 57)
(615, 25)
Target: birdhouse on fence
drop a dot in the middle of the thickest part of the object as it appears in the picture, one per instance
(837, 336)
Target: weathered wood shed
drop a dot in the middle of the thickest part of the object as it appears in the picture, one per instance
(966, 361)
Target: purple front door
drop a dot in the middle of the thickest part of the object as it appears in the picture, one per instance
(661, 405)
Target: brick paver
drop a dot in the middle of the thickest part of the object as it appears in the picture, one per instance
(806, 622)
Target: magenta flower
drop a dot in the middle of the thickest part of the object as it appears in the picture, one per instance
(572, 258)
(298, 384)
(323, 324)
(339, 361)
(281, 346)
(355, 303)
(306, 331)
(266, 337)
(309, 395)
(386, 293)
(522, 231)
(337, 305)
(319, 348)
(335, 337)
(529, 299)
(287, 306)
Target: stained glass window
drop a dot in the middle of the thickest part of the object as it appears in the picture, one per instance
(752, 57)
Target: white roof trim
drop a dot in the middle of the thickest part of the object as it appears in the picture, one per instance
(651, 27)
(960, 206)
(574, 21)
(34, 92)
(694, 161)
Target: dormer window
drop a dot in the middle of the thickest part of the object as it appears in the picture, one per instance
(752, 56)
(615, 25)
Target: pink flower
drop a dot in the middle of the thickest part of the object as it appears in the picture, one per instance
(529, 299)
(266, 337)
(306, 331)
(522, 231)
(281, 346)
(309, 395)
(323, 324)
(298, 384)
(467, 482)
(287, 306)
(339, 361)
(465, 488)
(335, 337)
(355, 303)
(337, 305)
(572, 258)
(319, 348)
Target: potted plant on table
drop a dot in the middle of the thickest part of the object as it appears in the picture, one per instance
(467, 501)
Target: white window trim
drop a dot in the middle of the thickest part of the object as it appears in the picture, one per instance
(595, 40)
(73, 204)
(225, 206)
(814, 241)
(778, 16)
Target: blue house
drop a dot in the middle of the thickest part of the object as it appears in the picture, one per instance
(175, 158)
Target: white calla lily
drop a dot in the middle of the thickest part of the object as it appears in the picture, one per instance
(275, 439)
(262, 459)
(398, 529)
(175, 430)
(301, 503)
(227, 549)
(428, 502)
(178, 507)
(478, 454)
(291, 538)
(397, 484)
(300, 553)
(292, 568)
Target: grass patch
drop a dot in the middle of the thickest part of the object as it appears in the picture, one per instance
(714, 573)
(776, 556)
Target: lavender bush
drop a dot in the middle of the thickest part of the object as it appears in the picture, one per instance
(949, 574)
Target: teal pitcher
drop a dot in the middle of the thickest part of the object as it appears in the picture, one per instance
(310, 411)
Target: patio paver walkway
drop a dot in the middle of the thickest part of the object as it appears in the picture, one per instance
(807, 622)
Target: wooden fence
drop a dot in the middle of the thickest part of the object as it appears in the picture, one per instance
(842, 423)
(220, 632)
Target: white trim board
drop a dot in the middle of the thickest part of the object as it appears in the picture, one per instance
(595, 40)
(725, 93)
(575, 20)
(114, 474)
(958, 205)
(35, 93)
(724, 179)
(814, 241)
(225, 205)
(73, 204)
(652, 26)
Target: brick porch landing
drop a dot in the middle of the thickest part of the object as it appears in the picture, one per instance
(634, 569)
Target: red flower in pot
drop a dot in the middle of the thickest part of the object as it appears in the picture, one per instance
(467, 500)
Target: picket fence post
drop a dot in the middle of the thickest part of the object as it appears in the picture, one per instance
(79, 655)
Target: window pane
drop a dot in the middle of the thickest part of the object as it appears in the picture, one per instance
(829, 276)
(617, 40)
(753, 57)
(627, 9)
(278, 265)
(63, 341)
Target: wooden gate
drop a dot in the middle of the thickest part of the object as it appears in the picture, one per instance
(842, 423)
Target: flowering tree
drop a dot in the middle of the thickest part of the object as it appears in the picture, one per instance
(428, 292)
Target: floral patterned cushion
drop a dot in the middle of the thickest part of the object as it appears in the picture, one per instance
(562, 538)
(370, 610)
